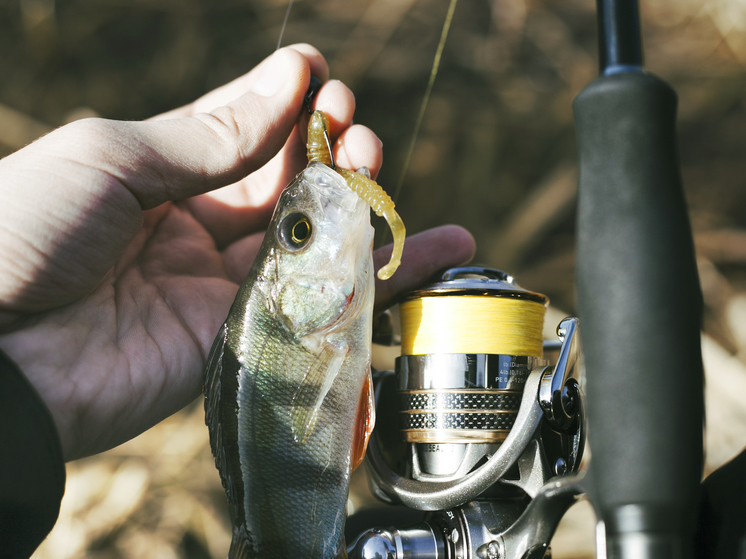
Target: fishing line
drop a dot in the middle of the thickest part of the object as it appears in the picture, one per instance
(425, 99)
(284, 23)
(472, 325)
(423, 105)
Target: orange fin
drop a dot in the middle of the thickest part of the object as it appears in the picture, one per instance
(364, 423)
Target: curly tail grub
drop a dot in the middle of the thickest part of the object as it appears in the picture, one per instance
(368, 189)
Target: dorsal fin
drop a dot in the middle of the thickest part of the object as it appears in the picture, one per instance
(212, 390)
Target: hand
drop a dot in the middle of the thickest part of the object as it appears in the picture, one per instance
(123, 248)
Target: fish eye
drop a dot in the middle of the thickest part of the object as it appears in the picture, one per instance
(294, 231)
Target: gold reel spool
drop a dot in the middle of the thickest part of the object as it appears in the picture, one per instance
(469, 342)
(458, 323)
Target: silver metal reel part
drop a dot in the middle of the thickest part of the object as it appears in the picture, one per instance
(496, 528)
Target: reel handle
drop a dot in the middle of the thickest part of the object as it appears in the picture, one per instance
(558, 397)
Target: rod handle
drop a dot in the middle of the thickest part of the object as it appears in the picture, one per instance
(640, 309)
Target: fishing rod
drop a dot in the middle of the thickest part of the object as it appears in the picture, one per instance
(493, 435)
(639, 301)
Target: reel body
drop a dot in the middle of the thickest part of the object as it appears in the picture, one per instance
(487, 434)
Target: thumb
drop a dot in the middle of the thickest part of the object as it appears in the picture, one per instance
(173, 159)
(73, 199)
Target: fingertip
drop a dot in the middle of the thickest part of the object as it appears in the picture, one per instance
(437, 248)
(338, 103)
(358, 146)
(459, 241)
(424, 254)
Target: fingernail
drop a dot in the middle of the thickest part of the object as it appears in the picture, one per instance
(274, 75)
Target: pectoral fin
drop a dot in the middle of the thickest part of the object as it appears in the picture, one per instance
(314, 388)
(364, 423)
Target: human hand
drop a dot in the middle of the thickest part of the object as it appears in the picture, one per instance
(124, 243)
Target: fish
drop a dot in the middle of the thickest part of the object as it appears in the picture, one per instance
(288, 394)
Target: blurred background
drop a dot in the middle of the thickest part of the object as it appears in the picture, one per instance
(496, 154)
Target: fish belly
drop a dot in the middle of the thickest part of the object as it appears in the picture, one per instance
(294, 492)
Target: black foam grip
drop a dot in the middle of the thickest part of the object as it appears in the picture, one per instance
(640, 309)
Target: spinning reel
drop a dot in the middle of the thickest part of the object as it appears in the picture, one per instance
(483, 433)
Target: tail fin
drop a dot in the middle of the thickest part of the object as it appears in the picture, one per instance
(242, 544)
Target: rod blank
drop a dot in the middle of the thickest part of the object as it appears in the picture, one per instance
(619, 41)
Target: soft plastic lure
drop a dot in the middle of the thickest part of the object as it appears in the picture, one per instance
(319, 149)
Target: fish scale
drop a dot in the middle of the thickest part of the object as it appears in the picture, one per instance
(306, 480)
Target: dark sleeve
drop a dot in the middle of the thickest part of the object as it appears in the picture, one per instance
(32, 470)
(722, 520)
